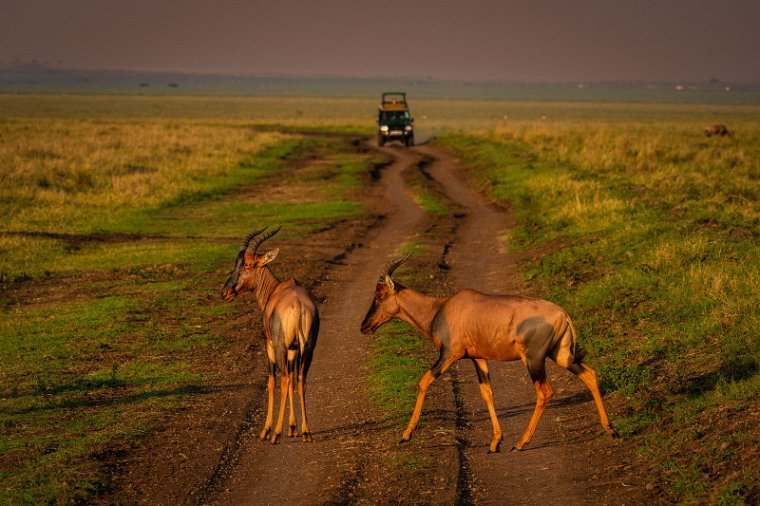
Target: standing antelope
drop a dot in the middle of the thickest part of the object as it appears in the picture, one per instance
(482, 327)
(291, 325)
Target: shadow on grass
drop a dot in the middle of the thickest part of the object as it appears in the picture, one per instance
(732, 369)
(191, 389)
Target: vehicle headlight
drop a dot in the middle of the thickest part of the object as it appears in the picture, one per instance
(384, 128)
(408, 128)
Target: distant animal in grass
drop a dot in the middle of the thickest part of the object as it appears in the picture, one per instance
(719, 130)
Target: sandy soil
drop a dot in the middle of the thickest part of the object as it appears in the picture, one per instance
(209, 454)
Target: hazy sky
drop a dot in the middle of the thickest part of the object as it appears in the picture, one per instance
(520, 40)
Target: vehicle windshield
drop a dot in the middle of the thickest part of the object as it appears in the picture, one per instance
(394, 116)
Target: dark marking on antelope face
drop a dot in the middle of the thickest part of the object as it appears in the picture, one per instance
(537, 333)
(241, 278)
(229, 291)
(383, 308)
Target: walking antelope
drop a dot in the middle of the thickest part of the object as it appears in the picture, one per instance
(482, 327)
(291, 325)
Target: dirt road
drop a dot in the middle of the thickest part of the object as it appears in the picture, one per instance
(348, 460)
(561, 464)
(346, 446)
(354, 456)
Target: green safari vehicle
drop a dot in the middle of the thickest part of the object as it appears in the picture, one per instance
(394, 121)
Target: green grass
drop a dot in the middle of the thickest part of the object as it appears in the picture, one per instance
(428, 202)
(177, 224)
(396, 366)
(115, 232)
(399, 354)
(651, 239)
(79, 375)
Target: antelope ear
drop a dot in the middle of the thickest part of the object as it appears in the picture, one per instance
(388, 281)
(269, 256)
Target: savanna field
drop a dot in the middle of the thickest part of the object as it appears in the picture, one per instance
(119, 217)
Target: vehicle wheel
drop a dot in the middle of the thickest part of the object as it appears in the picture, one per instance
(410, 140)
(380, 140)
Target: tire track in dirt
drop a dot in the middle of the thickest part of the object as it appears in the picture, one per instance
(564, 463)
(351, 440)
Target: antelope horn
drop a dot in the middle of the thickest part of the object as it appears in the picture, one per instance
(253, 247)
(249, 237)
(391, 266)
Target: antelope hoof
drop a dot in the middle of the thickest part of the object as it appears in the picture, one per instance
(516, 448)
(307, 437)
(264, 433)
(405, 439)
(495, 446)
(275, 438)
(292, 431)
(614, 434)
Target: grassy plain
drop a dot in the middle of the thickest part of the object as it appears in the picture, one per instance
(649, 235)
(117, 215)
(114, 230)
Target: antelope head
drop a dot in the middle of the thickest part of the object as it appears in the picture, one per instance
(384, 305)
(247, 263)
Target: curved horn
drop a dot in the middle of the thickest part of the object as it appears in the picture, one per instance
(249, 237)
(391, 266)
(253, 247)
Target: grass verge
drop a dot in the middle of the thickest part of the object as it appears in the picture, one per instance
(106, 323)
(649, 237)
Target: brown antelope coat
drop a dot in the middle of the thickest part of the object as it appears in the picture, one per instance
(482, 327)
(291, 325)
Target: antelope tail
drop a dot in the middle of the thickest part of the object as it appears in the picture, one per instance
(301, 347)
(577, 351)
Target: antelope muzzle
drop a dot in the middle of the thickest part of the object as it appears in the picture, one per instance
(228, 291)
(371, 323)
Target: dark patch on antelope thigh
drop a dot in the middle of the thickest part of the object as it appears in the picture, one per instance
(536, 333)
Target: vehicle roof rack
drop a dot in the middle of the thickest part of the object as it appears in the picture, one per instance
(394, 101)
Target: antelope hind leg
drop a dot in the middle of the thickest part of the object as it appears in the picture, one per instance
(285, 380)
(292, 415)
(302, 397)
(588, 377)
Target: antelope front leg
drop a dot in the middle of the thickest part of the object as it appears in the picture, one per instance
(484, 379)
(270, 404)
(444, 362)
(543, 394)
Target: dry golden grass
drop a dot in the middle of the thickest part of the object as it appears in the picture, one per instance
(76, 172)
(654, 246)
